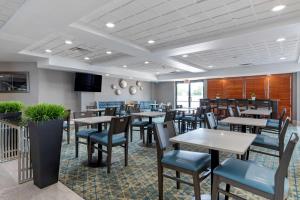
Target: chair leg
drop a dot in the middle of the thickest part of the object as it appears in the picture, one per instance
(126, 153)
(143, 134)
(177, 182)
(76, 146)
(90, 145)
(215, 193)
(196, 182)
(99, 153)
(227, 190)
(160, 183)
(131, 133)
(109, 154)
(68, 136)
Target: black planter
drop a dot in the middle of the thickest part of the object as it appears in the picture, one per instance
(12, 116)
(45, 146)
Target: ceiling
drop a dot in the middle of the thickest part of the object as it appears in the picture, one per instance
(192, 38)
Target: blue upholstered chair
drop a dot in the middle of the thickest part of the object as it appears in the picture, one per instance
(211, 120)
(82, 133)
(275, 125)
(271, 143)
(137, 124)
(117, 135)
(188, 162)
(259, 180)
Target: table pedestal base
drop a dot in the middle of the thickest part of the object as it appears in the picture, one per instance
(94, 162)
(151, 145)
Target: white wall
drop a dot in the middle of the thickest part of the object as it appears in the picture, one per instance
(165, 92)
(58, 87)
(28, 98)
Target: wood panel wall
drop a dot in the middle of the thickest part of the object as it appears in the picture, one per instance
(278, 86)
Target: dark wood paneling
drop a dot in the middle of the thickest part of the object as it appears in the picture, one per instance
(258, 85)
(233, 88)
(214, 88)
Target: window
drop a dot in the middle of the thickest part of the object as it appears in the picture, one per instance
(14, 82)
(189, 94)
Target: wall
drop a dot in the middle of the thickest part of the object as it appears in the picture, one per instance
(58, 87)
(28, 98)
(165, 92)
(108, 94)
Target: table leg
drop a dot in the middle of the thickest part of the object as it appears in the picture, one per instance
(244, 128)
(100, 127)
(150, 134)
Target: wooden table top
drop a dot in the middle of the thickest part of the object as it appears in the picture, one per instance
(264, 112)
(185, 109)
(93, 120)
(245, 121)
(149, 114)
(226, 141)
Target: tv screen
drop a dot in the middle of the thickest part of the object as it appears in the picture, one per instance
(88, 82)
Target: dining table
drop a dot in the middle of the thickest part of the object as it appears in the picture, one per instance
(97, 110)
(215, 141)
(257, 113)
(245, 121)
(150, 115)
(98, 120)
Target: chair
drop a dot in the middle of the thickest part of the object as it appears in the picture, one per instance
(230, 111)
(259, 180)
(83, 133)
(191, 122)
(137, 122)
(272, 143)
(211, 120)
(67, 124)
(188, 162)
(238, 111)
(117, 135)
(170, 116)
(110, 111)
(274, 125)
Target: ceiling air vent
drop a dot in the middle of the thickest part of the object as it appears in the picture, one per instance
(78, 49)
(246, 64)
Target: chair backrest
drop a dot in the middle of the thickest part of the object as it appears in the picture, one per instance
(170, 116)
(86, 114)
(91, 107)
(137, 106)
(230, 111)
(211, 120)
(110, 111)
(282, 170)
(167, 108)
(238, 111)
(119, 125)
(179, 106)
(283, 112)
(282, 134)
(163, 133)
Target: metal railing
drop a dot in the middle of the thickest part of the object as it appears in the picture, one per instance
(15, 144)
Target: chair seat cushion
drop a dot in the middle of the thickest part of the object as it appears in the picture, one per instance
(275, 121)
(266, 141)
(249, 174)
(178, 117)
(192, 161)
(188, 118)
(85, 133)
(102, 138)
(272, 124)
(139, 123)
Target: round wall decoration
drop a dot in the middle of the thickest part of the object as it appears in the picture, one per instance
(138, 83)
(141, 88)
(123, 83)
(118, 92)
(132, 90)
(113, 86)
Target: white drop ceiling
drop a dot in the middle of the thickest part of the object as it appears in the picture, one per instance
(228, 35)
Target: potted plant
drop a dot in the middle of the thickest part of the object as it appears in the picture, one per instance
(217, 96)
(11, 110)
(45, 123)
(253, 96)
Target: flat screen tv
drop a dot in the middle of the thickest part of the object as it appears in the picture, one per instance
(88, 82)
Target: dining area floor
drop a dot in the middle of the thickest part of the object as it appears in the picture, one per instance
(139, 179)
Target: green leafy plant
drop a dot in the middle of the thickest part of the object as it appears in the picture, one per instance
(11, 106)
(44, 112)
(252, 94)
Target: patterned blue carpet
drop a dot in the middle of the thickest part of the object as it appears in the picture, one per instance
(139, 179)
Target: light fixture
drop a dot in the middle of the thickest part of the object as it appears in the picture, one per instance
(106, 74)
(68, 42)
(130, 78)
(185, 56)
(146, 62)
(157, 73)
(125, 66)
(151, 41)
(108, 52)
(282, 58)
(177, 70)
(86, 58)
(280, 39)
(110, 25)
(278, 8)
(210, 66)
(48, 50)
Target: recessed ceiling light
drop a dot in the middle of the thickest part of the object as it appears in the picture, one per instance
(106, 74)
(146, 62)
(125, 66)
(157, 73)
(110, 25)
(68, 42)
(282, 58)
(210, 66)
(278, 8)
(108, 52)
(86, 58)
(280, 40)
(151, 41)
(185, 56)
(177, 70)
(48, 50)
